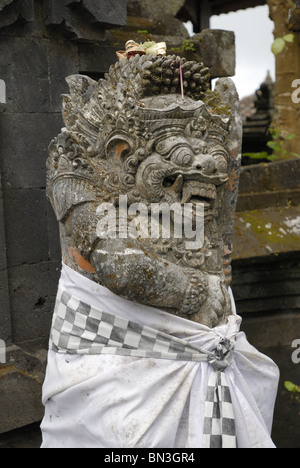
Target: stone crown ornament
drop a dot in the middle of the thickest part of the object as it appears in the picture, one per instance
(133, 135)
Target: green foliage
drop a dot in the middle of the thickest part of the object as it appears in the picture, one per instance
(293, 389)
(214, 101)
(280, 43)
(188, 46)
(277, 145)
(262, 155)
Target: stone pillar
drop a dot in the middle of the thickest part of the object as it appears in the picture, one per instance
(287, 115)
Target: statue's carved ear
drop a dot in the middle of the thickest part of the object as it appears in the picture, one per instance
(67, 192)
(70, 178)
(227, 90)
(120, 146)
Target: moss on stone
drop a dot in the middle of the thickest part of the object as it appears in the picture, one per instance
(214, 101)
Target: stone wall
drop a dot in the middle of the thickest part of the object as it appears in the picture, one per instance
(41, 43)
(266, 277)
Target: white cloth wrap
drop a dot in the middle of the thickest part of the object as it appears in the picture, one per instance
(111, 401)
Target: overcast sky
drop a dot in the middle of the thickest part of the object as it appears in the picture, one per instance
(254, 37)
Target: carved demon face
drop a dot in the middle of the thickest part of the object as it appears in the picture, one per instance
(181, 157)
(132, 134)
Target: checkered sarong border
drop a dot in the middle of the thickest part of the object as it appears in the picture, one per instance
(79, 328)
(219, 421)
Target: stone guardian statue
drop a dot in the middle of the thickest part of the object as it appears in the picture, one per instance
(143, 180)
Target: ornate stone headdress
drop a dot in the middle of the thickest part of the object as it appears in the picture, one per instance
(129, 107)
(93, 110)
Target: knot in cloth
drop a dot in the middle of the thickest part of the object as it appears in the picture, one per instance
(221, 358)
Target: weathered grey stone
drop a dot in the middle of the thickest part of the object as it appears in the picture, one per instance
(41, 73)
(5, 323)
(134, 135)
(140, 29)
(155, 8)
(20, 401)
(26, 75)
(267, 297)
(12, 10)
(62, 60)
(4, 3)
(85, 19)
(106, 12)
(74, 26)
(53, 235)
(277, 176)
(286, 416)
(266, 185)
(23, 158)
(264, 232)
(216, 48)
(273, 335)
(21, 379)
(33, 290)
(279, 332)
(96, 59)
(3, 263)
(28, 437)
(26, 226)
(268, 288)
(27, 24)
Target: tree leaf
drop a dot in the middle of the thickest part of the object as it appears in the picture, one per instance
(290, 386)
(291, 136)
(274, 146)
(262, 155)
(289, 38)
(278, 45)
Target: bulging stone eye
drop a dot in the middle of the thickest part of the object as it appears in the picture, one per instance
(221, 162)
(182, 157)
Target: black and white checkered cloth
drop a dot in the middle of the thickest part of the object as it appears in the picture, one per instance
(79, 328)
(219, 422)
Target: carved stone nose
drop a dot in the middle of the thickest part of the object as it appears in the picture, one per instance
(205, 163)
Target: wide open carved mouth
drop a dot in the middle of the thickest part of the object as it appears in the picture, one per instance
(192, 191)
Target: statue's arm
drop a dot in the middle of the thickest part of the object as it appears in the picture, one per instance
(130, 272)
(124, 267)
